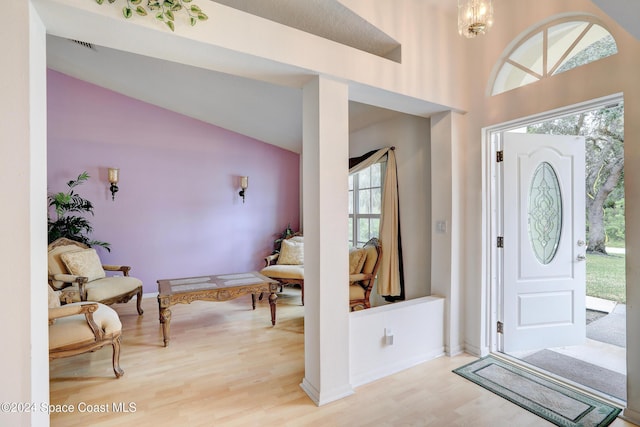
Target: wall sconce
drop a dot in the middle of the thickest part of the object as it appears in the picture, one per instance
(113, 180)
(244, 184)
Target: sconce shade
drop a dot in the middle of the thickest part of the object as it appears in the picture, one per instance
(114, 175)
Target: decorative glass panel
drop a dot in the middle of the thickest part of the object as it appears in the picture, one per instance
(545, 213)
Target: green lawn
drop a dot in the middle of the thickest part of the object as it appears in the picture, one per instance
(606, 277)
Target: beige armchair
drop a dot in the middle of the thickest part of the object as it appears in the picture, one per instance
(76, 271)
(361, 280)
(287, 267)
(78, 328)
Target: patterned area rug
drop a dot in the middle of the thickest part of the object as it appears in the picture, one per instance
(556, 403)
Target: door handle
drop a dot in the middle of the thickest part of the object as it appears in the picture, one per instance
(581, 242)
(581, 257)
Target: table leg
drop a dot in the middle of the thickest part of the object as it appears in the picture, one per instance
(273, 298)
(165, 321)
(253, 301)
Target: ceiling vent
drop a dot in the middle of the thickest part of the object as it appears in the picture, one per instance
(84, 44)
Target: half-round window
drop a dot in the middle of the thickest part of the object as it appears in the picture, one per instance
(551, 49)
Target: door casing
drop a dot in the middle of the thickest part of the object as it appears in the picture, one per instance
(490, 340)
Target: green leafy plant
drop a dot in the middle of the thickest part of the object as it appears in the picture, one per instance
(163, 10)
(65, 224)
(286, 233)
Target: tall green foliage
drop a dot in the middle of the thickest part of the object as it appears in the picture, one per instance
(65, 223)
(603, 130)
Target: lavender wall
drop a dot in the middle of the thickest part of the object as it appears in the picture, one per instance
(178, 212)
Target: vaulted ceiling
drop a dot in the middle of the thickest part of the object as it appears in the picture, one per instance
(261, 110)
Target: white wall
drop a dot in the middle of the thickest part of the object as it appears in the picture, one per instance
(418, 334)
(24, 368)
(615, 74)
(411, 137)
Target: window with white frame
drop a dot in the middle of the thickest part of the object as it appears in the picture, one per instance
(553, 48)
(365, 204)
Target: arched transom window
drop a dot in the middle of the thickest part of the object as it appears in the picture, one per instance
(551, 49)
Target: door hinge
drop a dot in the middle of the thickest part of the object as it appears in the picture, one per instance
(500, 242)
(500, 327)
(499, 156)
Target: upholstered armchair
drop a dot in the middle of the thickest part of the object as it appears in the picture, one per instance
(363, 268)
(287, 266)
(78, 328)
(76, 271)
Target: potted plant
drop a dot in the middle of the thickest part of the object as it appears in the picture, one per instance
(288, 232)
(66, 223)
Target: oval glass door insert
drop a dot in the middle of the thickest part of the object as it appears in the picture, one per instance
(545, 213)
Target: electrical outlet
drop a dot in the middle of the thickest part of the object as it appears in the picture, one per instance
(388, 336)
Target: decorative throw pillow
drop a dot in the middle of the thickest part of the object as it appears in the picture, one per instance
(356, 260)
(291, 253)
(84, 263)
(54, 298)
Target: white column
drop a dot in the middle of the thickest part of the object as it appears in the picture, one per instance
(447, 224)
(325, 216)
(24, 359)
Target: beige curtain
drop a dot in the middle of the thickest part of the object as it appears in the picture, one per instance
(389, 273)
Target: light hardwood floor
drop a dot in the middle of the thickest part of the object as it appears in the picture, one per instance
(226, 366)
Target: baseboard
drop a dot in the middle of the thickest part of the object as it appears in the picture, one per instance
(320, 398)
(474, 351)
(631, 416)
(150, 295)
(373, 375)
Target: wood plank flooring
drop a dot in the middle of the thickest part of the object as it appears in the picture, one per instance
(226, 366)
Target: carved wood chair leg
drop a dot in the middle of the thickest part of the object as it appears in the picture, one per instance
(116, 358)
(139, 303)
(302, 291)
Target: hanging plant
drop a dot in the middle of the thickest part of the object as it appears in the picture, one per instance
(163, 10)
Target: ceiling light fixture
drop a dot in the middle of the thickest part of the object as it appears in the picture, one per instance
(475, 17)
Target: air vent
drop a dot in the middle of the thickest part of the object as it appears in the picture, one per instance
(84, 44)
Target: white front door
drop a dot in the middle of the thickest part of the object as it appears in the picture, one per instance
(543, 302)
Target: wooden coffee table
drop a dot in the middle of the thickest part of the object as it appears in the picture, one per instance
(213, 288)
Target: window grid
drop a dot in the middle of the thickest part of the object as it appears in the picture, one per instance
(550, 49)
(365, 204)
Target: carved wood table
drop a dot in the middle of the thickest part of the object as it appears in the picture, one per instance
(212, 288)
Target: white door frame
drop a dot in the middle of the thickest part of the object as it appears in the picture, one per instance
(492, 210)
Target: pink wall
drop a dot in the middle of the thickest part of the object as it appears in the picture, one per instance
(178, 212)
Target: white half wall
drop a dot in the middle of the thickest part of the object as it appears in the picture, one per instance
(417, 327)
